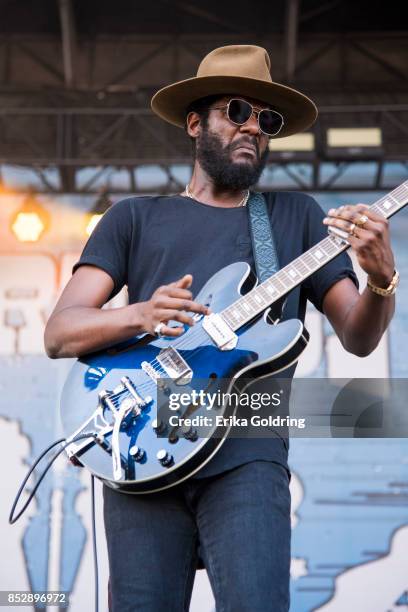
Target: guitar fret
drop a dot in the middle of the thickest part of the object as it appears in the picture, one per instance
(230, 319)
(304, 263)
(331, 246)
(250, 306)
(301, 266)
(270, 288)
(325, 245)
(386, 205)
(231, 323)
(252, 297)
(246, 306)
(318, 253)
(258, 298)
(402, 188)
(235, 313)
(285, 279)
(278, 285)
(310, 261)
(262, 289)
(228, 311)
(379, 210)
(240, 309)
(292, 272)
(392, 201)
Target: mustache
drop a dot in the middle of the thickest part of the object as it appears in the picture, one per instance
(252, 142)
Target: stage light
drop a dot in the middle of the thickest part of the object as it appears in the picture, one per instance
(299, 146)
(30, 220)
(27, 227)
(354, 137)
(297, 142)
(349, 143)
(100, 207)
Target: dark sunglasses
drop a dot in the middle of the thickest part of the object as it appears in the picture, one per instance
(240, 111)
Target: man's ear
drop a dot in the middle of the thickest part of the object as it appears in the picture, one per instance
(193, 124)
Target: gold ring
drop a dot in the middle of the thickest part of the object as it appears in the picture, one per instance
(362, 220)
(351, 229)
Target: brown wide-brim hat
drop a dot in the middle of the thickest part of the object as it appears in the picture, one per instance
(239, 70)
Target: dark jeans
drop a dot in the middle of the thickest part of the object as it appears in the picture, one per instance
(238, 522)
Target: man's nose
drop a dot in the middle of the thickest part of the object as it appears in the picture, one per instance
(251, 126)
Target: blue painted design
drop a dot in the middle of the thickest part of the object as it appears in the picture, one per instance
(339, 510)
(36, 413)
(403, 600)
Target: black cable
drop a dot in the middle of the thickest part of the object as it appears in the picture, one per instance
(13, 519)
(63, 441)
(95, 551)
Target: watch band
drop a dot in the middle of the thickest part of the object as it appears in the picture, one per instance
(390, 290)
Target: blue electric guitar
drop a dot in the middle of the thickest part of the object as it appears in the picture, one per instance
(111, 401)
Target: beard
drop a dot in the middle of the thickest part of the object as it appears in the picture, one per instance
(215, 159)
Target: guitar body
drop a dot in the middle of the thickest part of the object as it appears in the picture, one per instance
(262, 349)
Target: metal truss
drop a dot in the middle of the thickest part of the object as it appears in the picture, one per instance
(106, 139)
(85, 103)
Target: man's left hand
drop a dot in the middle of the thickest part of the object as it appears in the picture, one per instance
(370, 240)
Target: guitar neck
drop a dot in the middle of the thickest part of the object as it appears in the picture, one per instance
(277, 286)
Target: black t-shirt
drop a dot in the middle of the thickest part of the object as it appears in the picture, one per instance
(145, 242)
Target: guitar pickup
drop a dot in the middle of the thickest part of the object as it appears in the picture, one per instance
(174, 365)
(220, 332)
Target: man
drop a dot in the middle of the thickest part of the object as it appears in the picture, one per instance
(234, 514)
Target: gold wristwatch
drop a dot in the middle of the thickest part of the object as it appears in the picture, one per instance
(390, 290)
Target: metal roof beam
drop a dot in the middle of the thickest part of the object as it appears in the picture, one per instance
(390, 68)
(205, 14)
(324, 8)
(68, 35)
(291, 30)
(52, 70)
(141, 61)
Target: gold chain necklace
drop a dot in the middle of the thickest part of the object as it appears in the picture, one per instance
(242, 202)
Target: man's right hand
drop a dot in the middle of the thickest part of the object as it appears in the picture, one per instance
(167, 304)
(79, 325)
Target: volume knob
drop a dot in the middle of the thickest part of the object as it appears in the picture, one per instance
(137, 453)
(189, 433)
(165, 458)
(159, 426)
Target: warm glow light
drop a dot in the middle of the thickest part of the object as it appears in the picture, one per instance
(28, 226)
(30, 220)
(93, 222)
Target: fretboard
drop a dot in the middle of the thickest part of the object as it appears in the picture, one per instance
(277, 286)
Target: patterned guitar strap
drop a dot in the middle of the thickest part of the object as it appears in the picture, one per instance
(263, 243)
